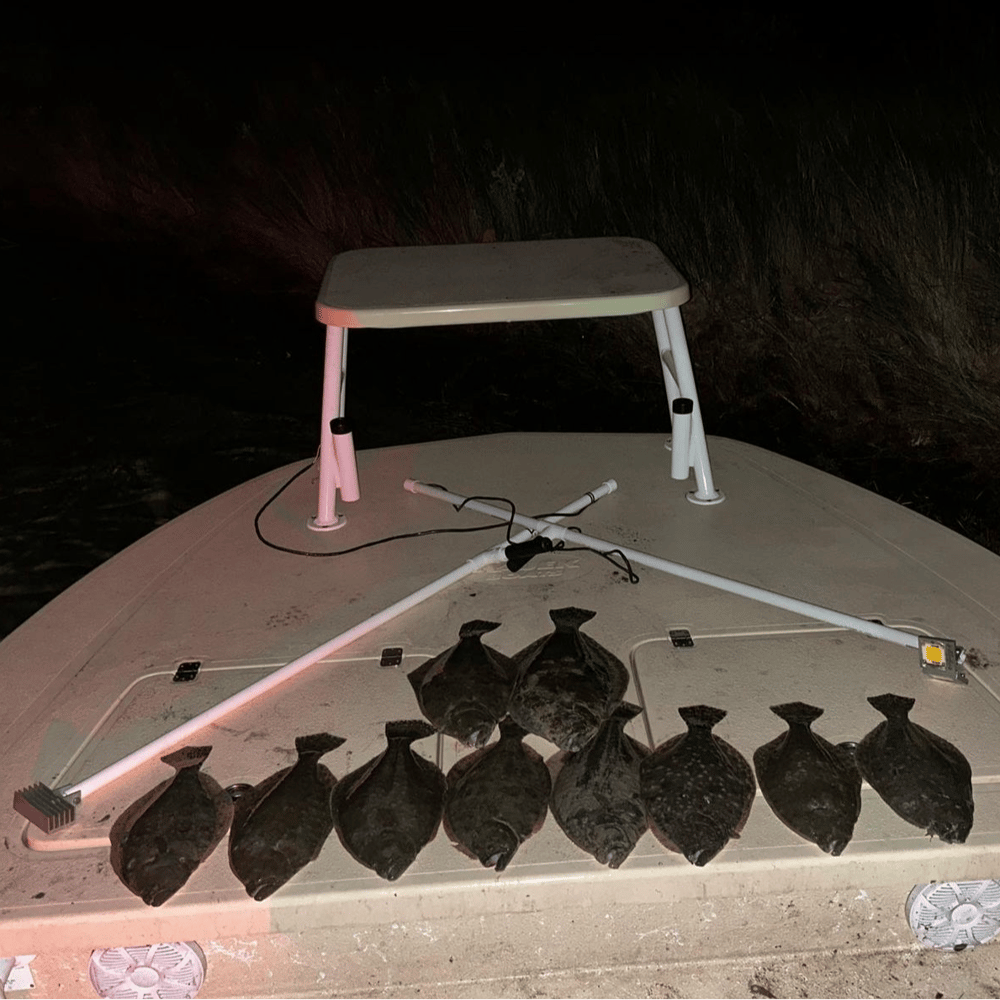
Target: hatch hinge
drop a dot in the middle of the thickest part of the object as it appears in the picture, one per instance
(187, 671)
(942, 658)
(392, 656)
(681, 638)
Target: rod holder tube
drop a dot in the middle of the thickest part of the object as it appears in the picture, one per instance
(680, 443)
(347, 466)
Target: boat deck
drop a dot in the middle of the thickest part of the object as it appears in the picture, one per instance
(203, 589)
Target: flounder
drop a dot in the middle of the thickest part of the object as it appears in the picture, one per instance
(697, 789)
(921, 776)
(159, 840)
(596, 798)
(389, 809)
(813, 786)
(497, 797)
(464, 691)
(280, 825)
(567, 683)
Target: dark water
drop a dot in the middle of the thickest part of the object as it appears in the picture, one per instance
(130, 394)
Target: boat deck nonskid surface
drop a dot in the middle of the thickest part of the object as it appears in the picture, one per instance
(205, 589)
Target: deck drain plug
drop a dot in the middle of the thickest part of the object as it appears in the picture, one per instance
(955, 915)
(148, 972)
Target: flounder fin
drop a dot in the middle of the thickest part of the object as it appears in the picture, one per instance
(318, 743)
(476, 628)
(701, 716)
(187, 757)
(570, 618)
(418, 675)
(408, 729)
(892, 706)
(626, 711)
(797, 711)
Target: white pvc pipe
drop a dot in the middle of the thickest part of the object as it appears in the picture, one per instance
(492, 555)
(815, 611)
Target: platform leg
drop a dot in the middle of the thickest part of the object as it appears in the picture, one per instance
(334, 378)
(679, 383)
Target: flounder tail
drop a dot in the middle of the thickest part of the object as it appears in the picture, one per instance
(476, 628)
(570, 619)
(409, 730)
(187, 757)
(797, 711)
(892, 706)
(701, 717)
(318, 743)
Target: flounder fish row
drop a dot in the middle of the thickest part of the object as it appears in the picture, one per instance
(814, 786)
(694, 791)
(561, 687)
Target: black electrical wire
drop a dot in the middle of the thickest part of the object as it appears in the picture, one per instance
(508, 524)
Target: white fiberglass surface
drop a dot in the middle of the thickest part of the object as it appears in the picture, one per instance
(242, 612)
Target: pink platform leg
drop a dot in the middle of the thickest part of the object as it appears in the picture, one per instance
(334, 377)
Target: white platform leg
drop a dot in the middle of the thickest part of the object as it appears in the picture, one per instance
(672, 343)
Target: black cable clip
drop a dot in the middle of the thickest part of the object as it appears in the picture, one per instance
(518, 553)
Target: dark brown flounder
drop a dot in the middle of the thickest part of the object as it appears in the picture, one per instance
(697, 789)
(567, 683)
(280, 825)
(497, 798)
(595, 797)
(813, 786)
(464, 691)
(161, 838)
(921, 776)
(388, 810)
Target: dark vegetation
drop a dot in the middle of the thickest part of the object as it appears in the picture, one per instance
(166, 221)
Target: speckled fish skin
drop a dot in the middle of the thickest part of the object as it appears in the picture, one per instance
(497, 798)
(697, 789)
(567, 683)
(921, 776)
(159, 840)
(464, 691)
(596, 798)
(813, 786)
(389, 809)
(281, 824)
